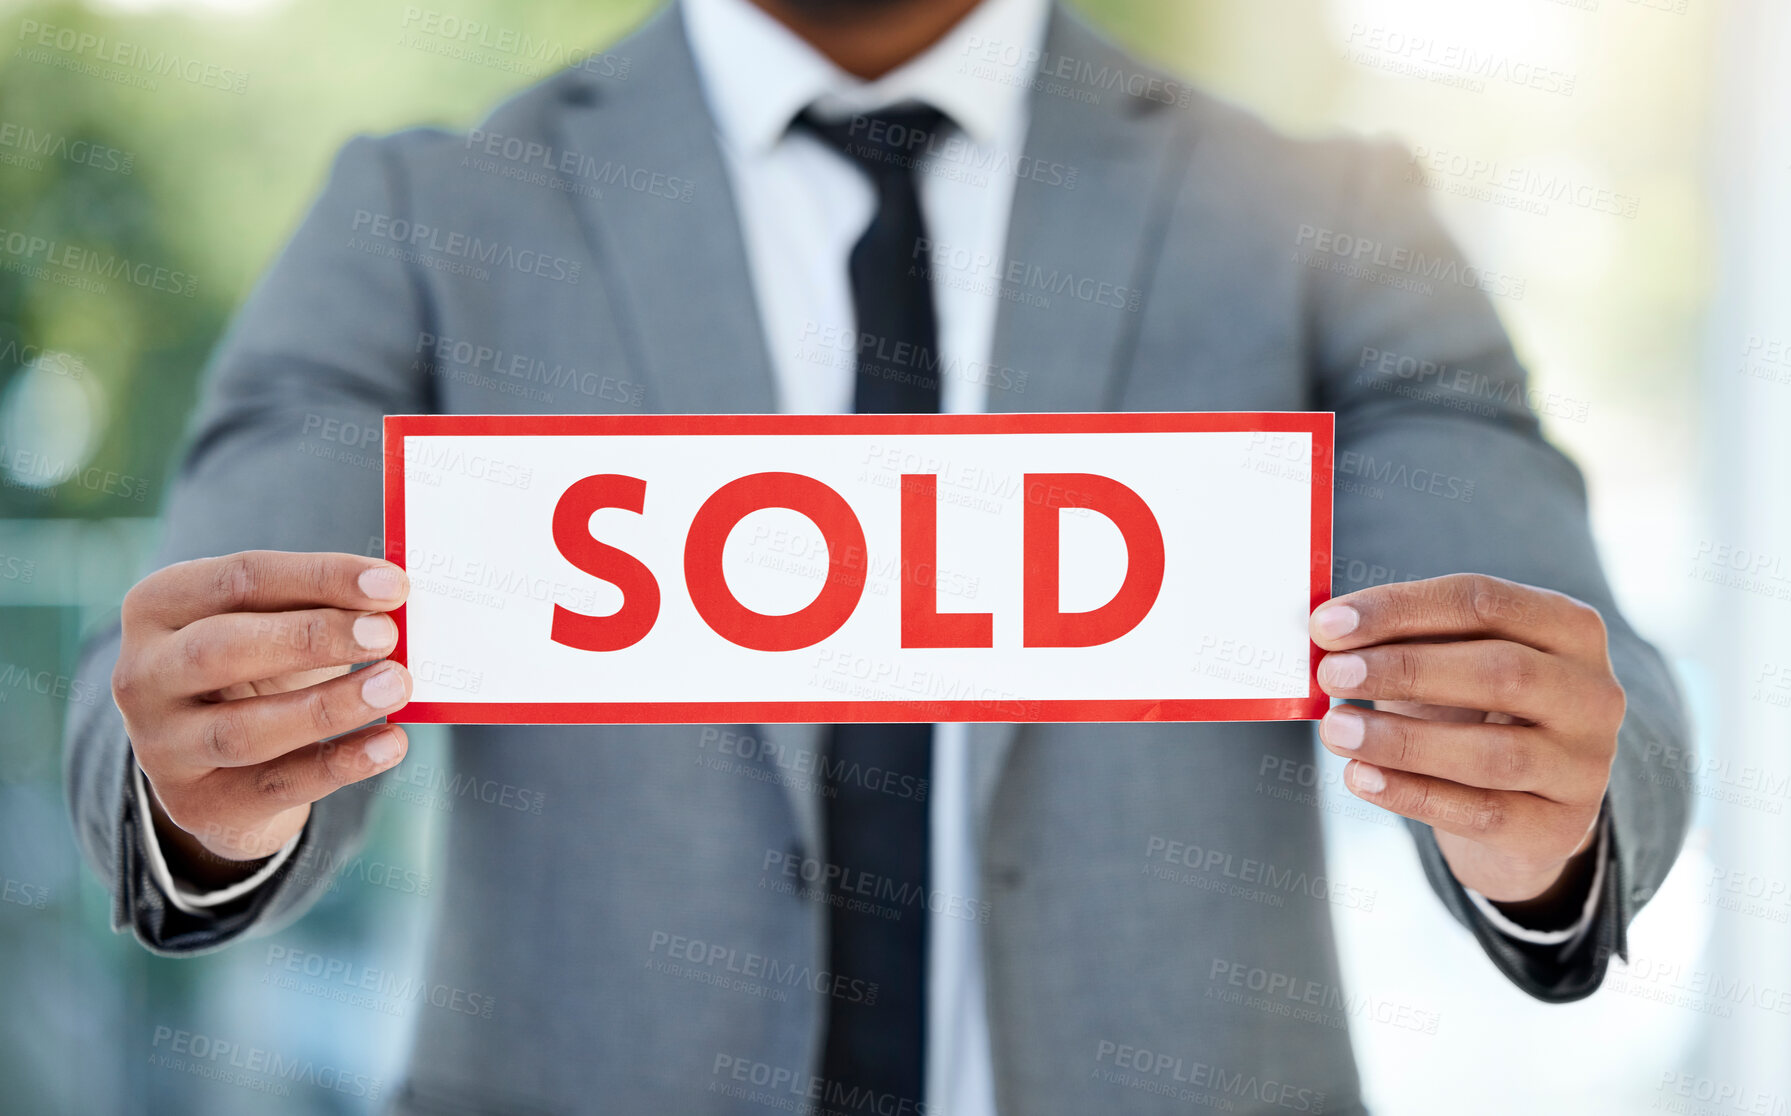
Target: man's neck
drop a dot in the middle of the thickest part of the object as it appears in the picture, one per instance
(869, 38)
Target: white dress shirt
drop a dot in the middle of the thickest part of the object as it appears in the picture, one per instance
(802, 207)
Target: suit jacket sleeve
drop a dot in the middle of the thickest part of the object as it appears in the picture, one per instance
(284, 455)
(1441, 467)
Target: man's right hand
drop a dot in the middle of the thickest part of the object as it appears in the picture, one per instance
(233, 678)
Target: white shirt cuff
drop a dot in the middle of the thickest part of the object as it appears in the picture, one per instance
(1510, 929)
(184, 898)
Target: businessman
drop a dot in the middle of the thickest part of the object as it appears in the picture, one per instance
(884, 205)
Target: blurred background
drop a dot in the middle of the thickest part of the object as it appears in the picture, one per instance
(1627, 163)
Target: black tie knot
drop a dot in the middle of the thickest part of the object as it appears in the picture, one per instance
(884, 143)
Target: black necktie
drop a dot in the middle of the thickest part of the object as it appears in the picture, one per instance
(876, 809)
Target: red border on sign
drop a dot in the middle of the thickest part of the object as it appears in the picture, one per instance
(1319, 424)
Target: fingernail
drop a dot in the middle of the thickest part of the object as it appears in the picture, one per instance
(382, 583)
(1342, 672)
(1368, 778)
(372, 631)
(381, 749)
(1335, 621)
(1343, 728)
(383, 689)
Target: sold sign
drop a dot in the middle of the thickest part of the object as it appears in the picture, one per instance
(767, 568)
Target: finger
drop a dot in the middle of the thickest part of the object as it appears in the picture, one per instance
(1438, 712)
(1490, 756)
(265, 581)
(219, 651)
(1474, 813)
(1489, 674)
(250, 731)
(307, 774)
(279, 684)
(1459, 606)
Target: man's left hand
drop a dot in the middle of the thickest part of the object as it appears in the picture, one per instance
(1495, 720)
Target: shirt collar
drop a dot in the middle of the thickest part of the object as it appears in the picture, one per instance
(758, 75)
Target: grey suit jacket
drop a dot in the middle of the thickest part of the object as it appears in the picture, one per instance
(602, 270)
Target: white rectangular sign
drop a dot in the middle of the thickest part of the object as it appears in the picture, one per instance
(768, 568)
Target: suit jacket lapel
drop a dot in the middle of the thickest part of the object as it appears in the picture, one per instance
(1078, 260)
(674, 266)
